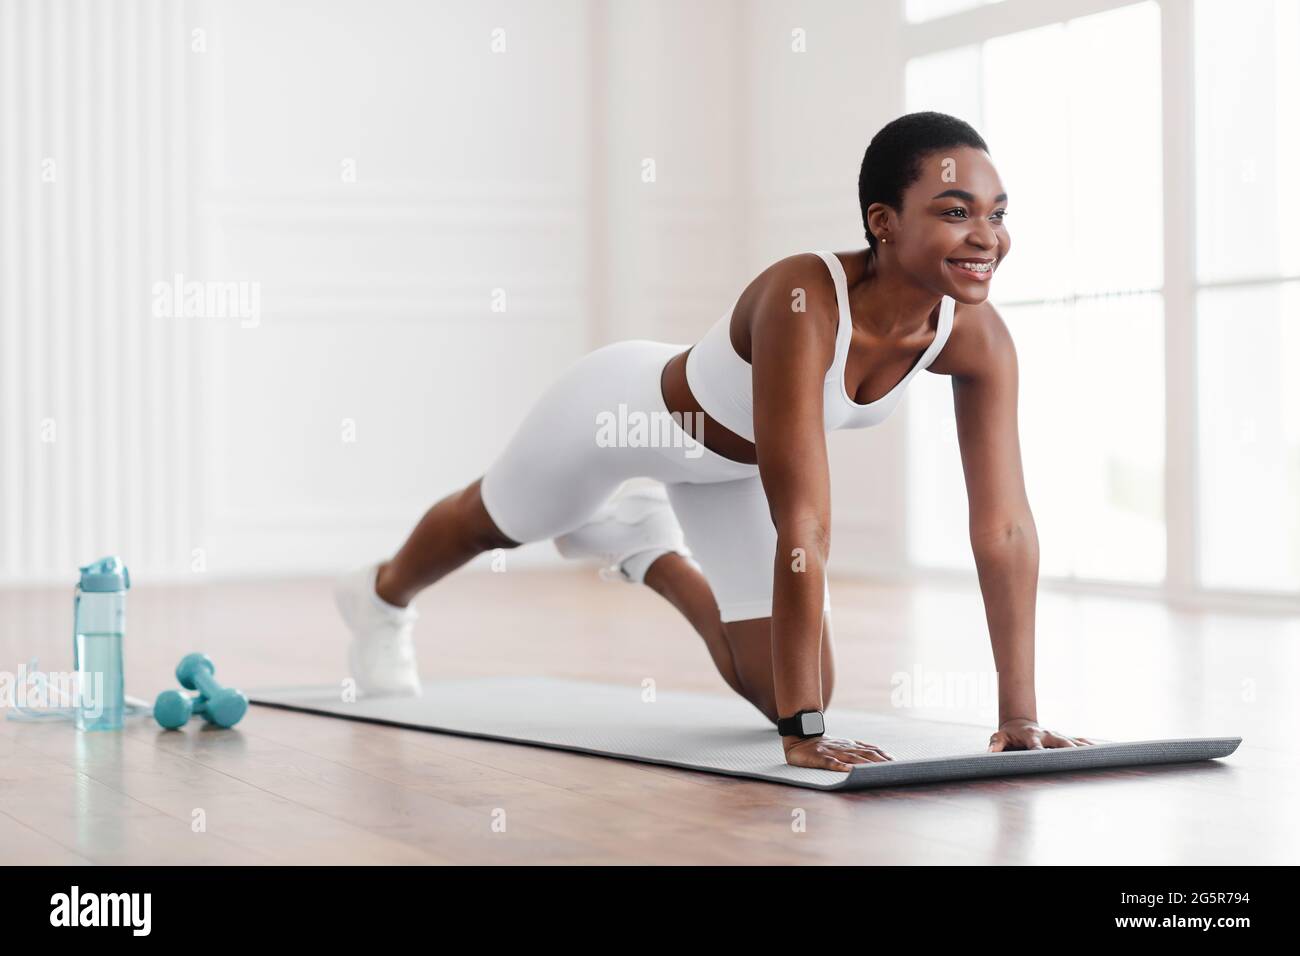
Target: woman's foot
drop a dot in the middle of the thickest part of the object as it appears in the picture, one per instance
(627, 535)
(381, 656)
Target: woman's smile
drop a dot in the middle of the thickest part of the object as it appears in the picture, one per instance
(977, 269)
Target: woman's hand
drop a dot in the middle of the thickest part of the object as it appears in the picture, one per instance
(830, 753)
(1022, 734)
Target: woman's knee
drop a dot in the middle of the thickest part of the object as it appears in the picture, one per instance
(481, 527)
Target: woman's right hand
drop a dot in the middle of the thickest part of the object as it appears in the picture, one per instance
(830, 753)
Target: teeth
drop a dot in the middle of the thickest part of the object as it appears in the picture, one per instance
(974, 266)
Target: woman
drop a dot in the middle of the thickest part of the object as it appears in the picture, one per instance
(817, 341)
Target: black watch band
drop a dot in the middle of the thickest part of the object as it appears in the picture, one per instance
(806, 723)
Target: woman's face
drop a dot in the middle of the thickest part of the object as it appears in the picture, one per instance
(952, 214)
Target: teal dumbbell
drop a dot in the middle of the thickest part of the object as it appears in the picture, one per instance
(222, 706)
(173, 709)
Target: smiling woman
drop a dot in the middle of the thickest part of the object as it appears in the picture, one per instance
(816, 342)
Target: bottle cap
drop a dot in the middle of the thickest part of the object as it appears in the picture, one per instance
(106, 574)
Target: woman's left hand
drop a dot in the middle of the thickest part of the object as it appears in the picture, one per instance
(1021, 734)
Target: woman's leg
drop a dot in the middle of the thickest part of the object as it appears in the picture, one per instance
(682, 585)
(729, 530)
(750, 643)
(741, 650)
(552, 476)
(458, 528)
(451, 533)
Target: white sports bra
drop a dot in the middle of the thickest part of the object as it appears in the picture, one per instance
(723, 383)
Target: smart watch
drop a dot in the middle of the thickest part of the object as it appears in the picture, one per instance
(805, 724)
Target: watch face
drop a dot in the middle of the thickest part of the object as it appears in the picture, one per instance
(813, 724)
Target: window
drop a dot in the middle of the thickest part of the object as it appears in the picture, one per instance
(1079, 149)
(1248, 294)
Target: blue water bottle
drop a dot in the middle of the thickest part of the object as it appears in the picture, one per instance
(99, 624)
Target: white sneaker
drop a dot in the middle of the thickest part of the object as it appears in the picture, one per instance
(381, 656)
(627, 534)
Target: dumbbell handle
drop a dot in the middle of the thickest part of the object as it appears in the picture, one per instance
(207, 684)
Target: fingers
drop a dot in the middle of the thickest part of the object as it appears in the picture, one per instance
(828, 762)
(1001, 742)
(859, 747)
(1071, 741)
(873, 749)
(866, 754)
(845, 760)
(850, 756)
(875, 756)
(844, 755)
(836, 754)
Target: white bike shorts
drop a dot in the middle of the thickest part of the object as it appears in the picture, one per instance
(605, 422)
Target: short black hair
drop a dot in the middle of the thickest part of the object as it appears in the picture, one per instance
(893, 159)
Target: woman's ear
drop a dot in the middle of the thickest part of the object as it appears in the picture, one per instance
(878, 219)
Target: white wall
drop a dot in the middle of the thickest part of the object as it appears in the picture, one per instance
(221, 155)
(671, 252)
(471, 173)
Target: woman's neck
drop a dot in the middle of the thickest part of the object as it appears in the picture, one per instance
(887, 303)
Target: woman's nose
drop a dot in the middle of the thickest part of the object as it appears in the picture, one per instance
(983, 237)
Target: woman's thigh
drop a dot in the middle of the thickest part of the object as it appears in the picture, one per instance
(728, 527)
(560, 465)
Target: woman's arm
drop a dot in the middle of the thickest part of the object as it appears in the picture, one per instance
(790, 352)
(985, 387)
(1003, 538)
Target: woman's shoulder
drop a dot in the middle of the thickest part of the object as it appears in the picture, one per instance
(806, 271)
(978, 342)
(797, 284)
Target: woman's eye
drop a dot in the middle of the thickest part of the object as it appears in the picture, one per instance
(997, 215)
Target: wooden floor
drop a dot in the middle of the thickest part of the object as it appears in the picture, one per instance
(293, 788)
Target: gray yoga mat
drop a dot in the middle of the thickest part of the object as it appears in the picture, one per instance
(716, 734)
